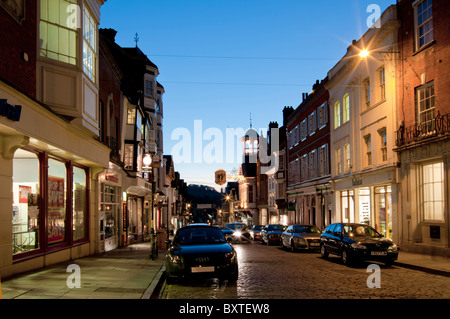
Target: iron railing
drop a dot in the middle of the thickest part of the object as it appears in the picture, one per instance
(438, 126)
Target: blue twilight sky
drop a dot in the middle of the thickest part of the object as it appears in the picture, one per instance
(221, 60)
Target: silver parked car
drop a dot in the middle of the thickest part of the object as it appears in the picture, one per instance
(297, 237)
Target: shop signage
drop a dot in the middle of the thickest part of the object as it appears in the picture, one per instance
(9, 111)
(221, 177)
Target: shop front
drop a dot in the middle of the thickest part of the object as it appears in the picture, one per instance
(371, 205)
(110, 220)
(137, 203)
(51, 168)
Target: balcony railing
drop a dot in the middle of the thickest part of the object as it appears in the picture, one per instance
(438, 126)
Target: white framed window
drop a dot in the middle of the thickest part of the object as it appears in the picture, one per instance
(337, 114)
(346, 109)
(303, 130)
(433, 191)
(128, 157)
(366, 86)
(58, 39)
(338, 161)
(313, 163)
(347, 160)
(131, 116)
(381, 83)
(297, 134)
(312, 123)
(368, 142)
(383, 143)
(304, 167)
(425, 106)
(323, 154)
(423, 16)
(89, 45)
(322, 115)
(149, 88)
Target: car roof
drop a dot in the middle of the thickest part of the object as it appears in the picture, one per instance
(198, 225)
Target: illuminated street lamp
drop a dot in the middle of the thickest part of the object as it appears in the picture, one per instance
(147, 161)
(364, 53)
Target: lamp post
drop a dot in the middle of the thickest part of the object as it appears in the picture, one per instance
(147, 162)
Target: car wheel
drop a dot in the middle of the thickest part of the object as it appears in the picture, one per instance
(292, 247)
(323, 252)
(345, 257)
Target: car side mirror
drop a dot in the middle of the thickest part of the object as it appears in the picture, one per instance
(168, 242)
(229, 239)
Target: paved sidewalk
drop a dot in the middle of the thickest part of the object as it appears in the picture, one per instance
(129, 273)
(432, 264)
(123, 273)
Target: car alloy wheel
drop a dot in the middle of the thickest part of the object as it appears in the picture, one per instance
(293, 247)
(345, 257)
(323, 251)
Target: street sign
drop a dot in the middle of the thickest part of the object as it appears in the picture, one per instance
(221, 177)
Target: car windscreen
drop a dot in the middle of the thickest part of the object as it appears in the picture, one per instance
(275, 228)
(258, 227)
(234, 226)
(361, 231)
(306, 229)
(198, 236)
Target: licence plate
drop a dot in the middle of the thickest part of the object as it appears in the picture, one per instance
(202, 269)
(314, 244)
(379, 253)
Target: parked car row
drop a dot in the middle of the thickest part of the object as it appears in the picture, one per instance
(201, 249)
(350, 241)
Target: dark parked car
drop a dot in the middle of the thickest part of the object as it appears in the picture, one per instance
(357, 242)
(271, 234)
(255, 232)
(200, 249)
(238, 232)
(301, 237)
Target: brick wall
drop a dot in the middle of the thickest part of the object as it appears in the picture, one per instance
(430, 63)
(15, 40)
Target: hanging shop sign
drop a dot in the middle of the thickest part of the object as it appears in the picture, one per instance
(221, 177)
(10, 111)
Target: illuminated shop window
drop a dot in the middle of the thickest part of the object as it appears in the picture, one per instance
(56, 204)
(26, 202)
(79, 204)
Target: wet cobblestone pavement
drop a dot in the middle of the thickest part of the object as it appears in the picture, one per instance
(272, 273)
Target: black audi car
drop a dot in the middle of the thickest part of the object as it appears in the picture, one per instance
(354, 242)
(200, 250)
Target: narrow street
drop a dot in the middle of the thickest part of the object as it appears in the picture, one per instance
(272, 273)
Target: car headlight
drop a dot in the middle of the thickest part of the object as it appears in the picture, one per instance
(300, 240)
(358, 246)
(237, 233)
(393, 247)
(229, 255)
(175, 259)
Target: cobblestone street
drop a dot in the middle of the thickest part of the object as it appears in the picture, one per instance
(271, 273)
